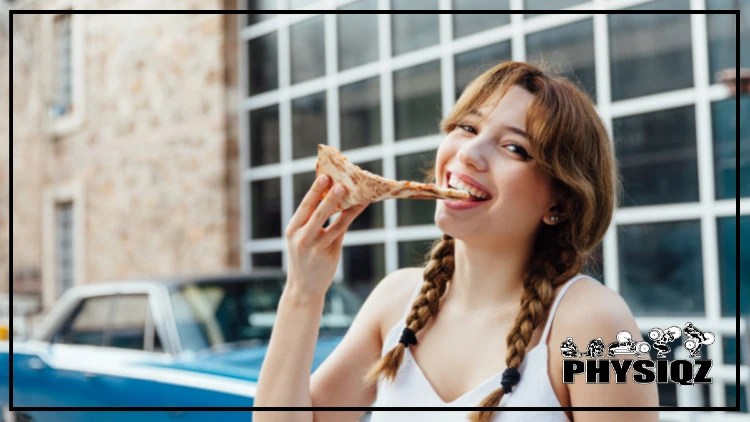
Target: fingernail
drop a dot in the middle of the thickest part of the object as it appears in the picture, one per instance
(323, 180)
(338, 190)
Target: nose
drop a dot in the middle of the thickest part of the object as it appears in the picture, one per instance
(471, 154)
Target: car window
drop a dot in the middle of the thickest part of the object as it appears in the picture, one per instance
(88, 323)
(128, 324)
(122, 321)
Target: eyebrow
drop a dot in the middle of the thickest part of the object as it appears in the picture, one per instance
(509, 128)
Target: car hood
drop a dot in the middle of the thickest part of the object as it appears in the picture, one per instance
(243, 363)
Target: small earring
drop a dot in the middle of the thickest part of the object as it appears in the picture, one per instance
(554, 218)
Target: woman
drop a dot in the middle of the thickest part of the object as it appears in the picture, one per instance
(533, 151)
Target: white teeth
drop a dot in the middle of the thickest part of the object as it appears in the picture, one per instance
(455, 183)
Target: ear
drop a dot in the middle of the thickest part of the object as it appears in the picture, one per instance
(555, 211)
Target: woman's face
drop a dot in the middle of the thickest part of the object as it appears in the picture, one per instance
(493, 157)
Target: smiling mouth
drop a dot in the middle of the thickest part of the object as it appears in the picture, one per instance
(477, 195)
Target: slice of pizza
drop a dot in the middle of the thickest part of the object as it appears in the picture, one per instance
(364, 187)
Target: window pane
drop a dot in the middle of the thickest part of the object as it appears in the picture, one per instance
(301, 184)
(415, 211)
(88, 323)
(730, 351)
(357, 35)
(254, 5)
(731, 394)
(722, 35)
(264, 136)
(267, 260)
(569, 46)
(413, 253)
(414, 31)
(372, 216)
(650, 53)
(308, 125)
(364, 267)
(263, 68)
(658, 261)
(473, 63)
(470, 23)
(725, 132)
(727, 233)
(416, 93)
(308, 56)
(657, 157)
(265, 208)
(548, 5)
(360, 114)
(128, 327)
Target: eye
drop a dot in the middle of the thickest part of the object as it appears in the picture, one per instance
(514, 147)
(467, 127)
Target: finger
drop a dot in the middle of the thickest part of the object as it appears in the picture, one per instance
(332, 233)
(326, 208)
(309, 202)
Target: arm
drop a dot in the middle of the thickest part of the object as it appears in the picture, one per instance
(590, 310)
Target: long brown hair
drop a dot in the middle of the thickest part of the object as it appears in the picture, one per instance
(569, 142)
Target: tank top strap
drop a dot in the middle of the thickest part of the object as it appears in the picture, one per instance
(553, 309)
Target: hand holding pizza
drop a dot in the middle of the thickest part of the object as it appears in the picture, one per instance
(312, 250)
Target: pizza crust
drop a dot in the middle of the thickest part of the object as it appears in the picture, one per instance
(362, 187)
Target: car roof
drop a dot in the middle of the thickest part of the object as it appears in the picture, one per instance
(177, 280)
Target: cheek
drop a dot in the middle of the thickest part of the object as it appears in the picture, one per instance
(445, 153)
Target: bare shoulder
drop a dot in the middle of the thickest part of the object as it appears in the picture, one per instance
(392, 295)
(589, 307)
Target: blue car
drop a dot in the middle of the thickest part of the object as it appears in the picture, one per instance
(192, 341)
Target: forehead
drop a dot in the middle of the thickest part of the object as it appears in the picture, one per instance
(511, 108)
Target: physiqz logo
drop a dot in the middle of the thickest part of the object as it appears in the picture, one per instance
(644, 370)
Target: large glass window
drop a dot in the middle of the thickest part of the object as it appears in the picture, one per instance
(264, 135)
(364, 267)
(727, 231)
(650, 53)
(549, 5)
(473, 63)
(725, 134)
(258, 5)
(412, 167)
(417, 102)
(308, 58)
(372, 216)
(569, 46)
(265, 208)
(722, 35)
(360, 114)
(263, 69)
(731, 394)
(267, 260)
(661, 268)
(414, 31)
(357, 35)
(413, 253)
(470, 23)
(657, 157)
(308, 125)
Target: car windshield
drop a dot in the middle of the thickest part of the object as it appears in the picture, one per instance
(229, 314)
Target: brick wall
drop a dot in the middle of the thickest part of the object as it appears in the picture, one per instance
(156, 154)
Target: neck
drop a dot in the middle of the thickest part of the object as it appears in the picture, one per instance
(489, 278)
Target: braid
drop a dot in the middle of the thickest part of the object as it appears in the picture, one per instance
(437, 273)
(537, 298)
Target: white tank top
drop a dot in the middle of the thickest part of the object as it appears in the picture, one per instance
(411, 388)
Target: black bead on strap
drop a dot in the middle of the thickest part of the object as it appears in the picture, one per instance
(408, 337)
(510, 378)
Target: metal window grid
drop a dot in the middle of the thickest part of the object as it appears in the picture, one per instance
(701, 95)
